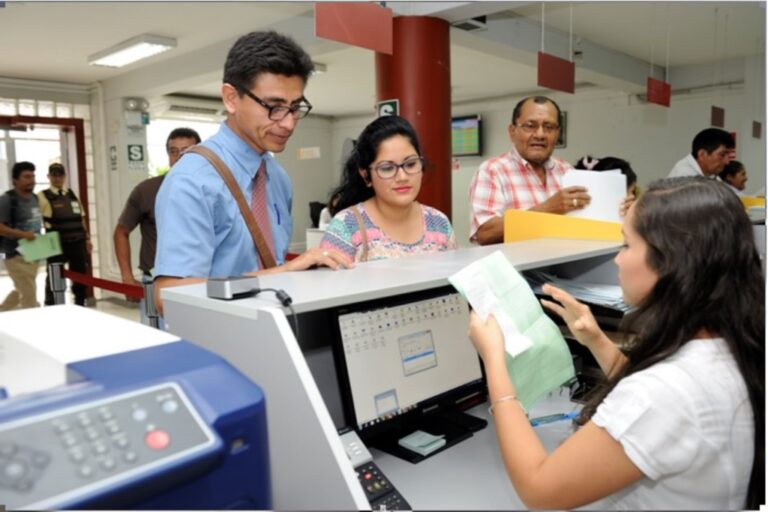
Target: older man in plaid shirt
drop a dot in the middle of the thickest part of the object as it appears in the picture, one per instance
(525, 178)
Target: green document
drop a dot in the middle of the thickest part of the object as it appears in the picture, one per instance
(538, 359)
(42, 247)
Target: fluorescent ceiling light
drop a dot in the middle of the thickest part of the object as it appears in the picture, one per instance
(127, 52)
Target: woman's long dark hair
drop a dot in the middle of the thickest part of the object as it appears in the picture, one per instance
(353, 188)
(701, 245)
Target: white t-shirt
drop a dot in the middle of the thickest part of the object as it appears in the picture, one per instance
(687, 424)
(687, 166)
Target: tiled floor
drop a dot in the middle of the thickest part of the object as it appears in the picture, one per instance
(111, 304)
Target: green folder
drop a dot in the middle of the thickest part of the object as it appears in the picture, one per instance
(547, 364)
(42, 247)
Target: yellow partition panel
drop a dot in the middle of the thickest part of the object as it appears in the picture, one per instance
(527, 225)
(750, 201)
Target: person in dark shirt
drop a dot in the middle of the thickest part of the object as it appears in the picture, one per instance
(63, 212)
(20, 219)
(139, 211)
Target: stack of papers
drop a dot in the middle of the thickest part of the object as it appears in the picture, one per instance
(538, 359)
(606, 295)
(606, 188)
(422, 442)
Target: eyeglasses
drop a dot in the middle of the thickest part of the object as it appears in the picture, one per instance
(388, 170)
(280, 112)
(531, 127)
(176, 151)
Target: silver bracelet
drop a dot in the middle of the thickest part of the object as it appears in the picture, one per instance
(504, 398)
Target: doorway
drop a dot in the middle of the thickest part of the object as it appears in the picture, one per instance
(42, 141)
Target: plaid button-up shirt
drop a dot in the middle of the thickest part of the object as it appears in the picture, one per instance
(509, 182)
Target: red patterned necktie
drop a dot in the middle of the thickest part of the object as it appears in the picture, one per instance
(260, 205)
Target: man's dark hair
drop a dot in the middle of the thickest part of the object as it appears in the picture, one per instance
(20, 167)
(182, 133)
(711, 139)
(608, 163)
(265, 52)
(536, 99)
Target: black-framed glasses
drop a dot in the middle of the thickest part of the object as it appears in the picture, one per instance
(531, 127)
(176, 151)
(280, 112)
(388, 170)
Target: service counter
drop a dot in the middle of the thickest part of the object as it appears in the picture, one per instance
(298, 377)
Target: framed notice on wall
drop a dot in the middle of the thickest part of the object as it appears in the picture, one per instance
(562, 140)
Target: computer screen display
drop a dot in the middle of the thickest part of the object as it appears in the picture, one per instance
(466, 136)
(404, 354)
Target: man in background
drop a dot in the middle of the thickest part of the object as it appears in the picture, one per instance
(527, 177)
(139, 211)
(63, 212)
(735, 176)
(711, 150)
(20, 219)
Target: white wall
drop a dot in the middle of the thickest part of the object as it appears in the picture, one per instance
(604, 122)
(313, 178)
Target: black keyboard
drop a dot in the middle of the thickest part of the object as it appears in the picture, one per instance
(379, 490)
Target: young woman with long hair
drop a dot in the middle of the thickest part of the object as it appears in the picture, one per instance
(376, 212)
(680, 420)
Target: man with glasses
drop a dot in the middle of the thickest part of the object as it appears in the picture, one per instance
(201, 232)
(711, 151)
(139, 211)
(527, 177)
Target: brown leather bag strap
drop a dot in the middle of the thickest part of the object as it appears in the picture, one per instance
(363, 232)
(262, 248)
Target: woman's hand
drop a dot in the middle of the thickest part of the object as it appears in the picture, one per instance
(576, 315)
(625, 204)
(320, 257)
(486, 337)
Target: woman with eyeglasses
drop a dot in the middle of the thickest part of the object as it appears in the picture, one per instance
(376, 215)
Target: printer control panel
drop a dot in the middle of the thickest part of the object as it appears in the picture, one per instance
(69, 453)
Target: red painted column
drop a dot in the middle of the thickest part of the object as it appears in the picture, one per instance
(418, 73)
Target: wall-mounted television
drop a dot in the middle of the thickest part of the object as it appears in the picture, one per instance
(467, 136)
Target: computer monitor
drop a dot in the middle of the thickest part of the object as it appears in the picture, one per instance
(405, 363)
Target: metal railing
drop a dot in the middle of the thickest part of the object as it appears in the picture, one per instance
(58, 281)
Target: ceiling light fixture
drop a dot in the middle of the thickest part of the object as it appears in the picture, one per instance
(132, 50)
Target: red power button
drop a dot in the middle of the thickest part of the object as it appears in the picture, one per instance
(157, 440)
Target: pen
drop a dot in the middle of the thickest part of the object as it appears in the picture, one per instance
(277, 212)
(541, 420)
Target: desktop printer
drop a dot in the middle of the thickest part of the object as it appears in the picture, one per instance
(106, 413)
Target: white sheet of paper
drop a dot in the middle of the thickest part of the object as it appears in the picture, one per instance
(607, 189)
(477, 291)
(515, 342)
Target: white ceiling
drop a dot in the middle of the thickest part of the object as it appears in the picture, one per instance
(698, 31)
(51, 40)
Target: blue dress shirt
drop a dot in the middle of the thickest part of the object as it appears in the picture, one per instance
(200, 230)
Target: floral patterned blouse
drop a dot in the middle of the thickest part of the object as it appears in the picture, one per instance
(343, 234)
